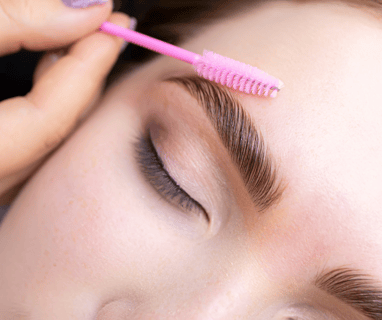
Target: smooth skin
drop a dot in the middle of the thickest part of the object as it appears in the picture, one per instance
(89, 238)
(34, 125)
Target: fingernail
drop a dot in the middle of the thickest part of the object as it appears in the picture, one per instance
(83, 3)
(132, 26)
(56, 55)
(133, 23)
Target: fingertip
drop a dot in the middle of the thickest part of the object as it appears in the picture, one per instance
(51, 24)
(123, 21)
(46, 62)
(79, 22)
(120, 19)
(82, 70)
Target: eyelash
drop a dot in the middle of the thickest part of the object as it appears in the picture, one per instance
(156, 175)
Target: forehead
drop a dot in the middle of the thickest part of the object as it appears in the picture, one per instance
(324, 127)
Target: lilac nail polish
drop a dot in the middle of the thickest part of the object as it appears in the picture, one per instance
(82, 3)
(133, 23)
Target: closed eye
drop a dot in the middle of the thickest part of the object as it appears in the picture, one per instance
(159, 178)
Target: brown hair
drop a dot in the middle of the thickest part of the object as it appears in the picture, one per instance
(174, 21)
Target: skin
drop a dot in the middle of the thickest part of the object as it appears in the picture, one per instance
(89, 238)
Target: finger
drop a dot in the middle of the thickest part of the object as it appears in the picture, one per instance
(32, 126)
(47, 61)
(52, 56)
(46, 24)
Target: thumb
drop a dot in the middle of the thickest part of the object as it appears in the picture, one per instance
(41, 25)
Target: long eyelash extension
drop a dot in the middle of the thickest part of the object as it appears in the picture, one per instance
(156, 175)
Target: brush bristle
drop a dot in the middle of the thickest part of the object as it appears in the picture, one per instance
(236, 75)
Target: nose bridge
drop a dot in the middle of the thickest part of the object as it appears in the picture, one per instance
(231, 292)
(225, 298)
(230, 301)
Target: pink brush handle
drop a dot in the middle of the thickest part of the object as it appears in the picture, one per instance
(150, 43)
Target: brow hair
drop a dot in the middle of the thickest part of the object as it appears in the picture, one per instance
(355, 288)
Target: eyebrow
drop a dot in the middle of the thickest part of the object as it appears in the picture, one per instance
(240, 136)
(355, 288)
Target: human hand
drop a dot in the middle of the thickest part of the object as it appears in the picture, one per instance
(63, 86)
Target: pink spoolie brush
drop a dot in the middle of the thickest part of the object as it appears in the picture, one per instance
(214, 67)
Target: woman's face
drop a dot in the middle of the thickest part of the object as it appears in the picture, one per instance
(103, 232)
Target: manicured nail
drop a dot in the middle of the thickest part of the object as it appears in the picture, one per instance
(83, 3)
(132, 26)
(56, 55)
(133, 23)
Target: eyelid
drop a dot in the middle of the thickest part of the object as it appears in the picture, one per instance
(156, 174)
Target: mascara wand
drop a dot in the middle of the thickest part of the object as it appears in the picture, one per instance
(211, 66)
